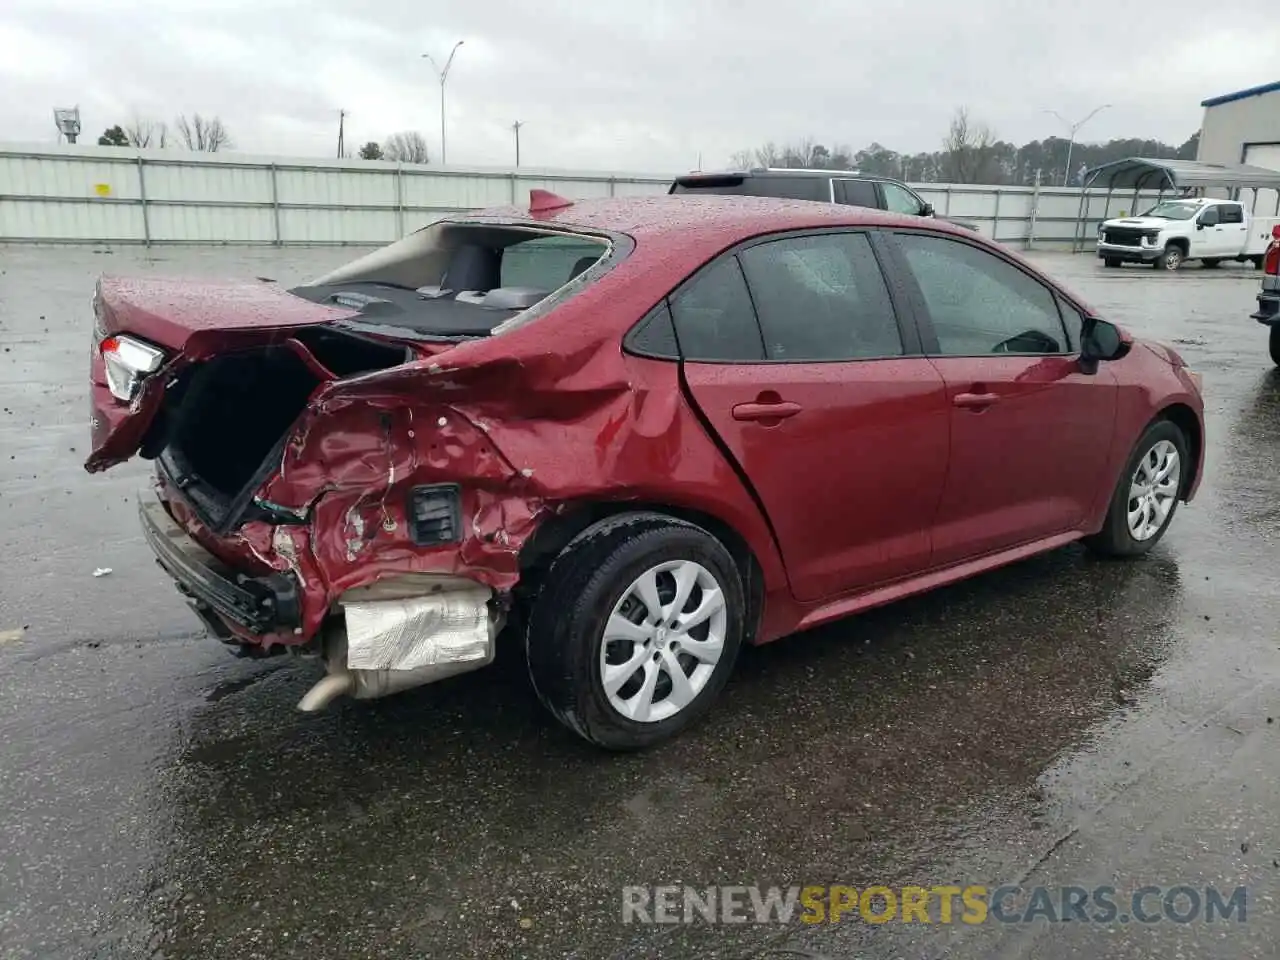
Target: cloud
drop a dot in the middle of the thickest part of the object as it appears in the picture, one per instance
(624, 85)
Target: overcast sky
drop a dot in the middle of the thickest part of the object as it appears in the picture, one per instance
(642, 85)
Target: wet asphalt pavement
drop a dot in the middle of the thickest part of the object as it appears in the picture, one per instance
(1061, 722)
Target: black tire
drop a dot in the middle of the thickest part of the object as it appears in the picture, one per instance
(1212, 263)
(1111, 261)
(1274, 343)
(566, 624)
(1257, 262)
(1171, 258)
(1115, 539)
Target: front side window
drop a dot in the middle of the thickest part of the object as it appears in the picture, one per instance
(1231, 213)
(900, 200)
(714, 317)
(821, 298)
(978, 303)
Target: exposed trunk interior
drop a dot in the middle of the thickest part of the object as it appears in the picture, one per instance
(224, 419)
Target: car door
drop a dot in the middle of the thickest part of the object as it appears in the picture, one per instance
(1030, 430)
(1207, 237)
(1233, 229)
(796, 357)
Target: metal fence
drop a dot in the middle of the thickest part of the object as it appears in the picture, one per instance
(86, 194)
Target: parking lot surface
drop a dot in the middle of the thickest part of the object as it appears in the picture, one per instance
(1064, 721)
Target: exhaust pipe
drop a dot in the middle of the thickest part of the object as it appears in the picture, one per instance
(370, 684)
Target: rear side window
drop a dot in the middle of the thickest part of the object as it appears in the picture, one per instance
(547, 263)
(794, 188)
(714, 317)
(857, 193)
(821, 298)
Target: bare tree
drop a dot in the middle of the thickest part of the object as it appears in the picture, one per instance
(407, 147)
(967, 149)
(147, 133)
(206, 134)
(807, 154)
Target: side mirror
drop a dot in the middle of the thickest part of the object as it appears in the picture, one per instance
(1100, 340)
(926, 210)
(1199, 224)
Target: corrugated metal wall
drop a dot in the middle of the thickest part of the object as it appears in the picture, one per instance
(92, 194)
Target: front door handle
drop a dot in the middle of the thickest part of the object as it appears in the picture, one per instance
(766, 411)
(975, 401)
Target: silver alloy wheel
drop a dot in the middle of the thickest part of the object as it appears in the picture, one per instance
(1173, 258)
(1153, 490)
(662, 641)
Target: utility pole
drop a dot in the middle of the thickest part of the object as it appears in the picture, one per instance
(1074, 128)
(443, 74)
(515, 127)
(342, 116)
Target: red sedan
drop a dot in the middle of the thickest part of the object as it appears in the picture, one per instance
(639, 433)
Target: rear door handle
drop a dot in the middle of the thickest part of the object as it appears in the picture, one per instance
(974, 401)
(766, 411)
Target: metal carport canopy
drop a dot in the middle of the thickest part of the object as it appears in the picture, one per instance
(1144, 173)
(1141, 172)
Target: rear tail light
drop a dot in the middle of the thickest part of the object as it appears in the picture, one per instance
(128, 362)
(1271, 262)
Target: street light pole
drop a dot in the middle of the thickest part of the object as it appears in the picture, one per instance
(1074, 127)
(443, 75)
(516, 129)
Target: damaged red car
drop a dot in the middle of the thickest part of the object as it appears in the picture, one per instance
(639, 433)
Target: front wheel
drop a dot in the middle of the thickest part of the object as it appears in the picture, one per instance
(1170, 258)
(1275, 343)
(1146, 497)
(636, 629)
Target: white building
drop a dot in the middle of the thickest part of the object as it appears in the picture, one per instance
(1244, 127)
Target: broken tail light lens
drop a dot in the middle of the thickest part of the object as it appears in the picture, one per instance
(128, 362)
(435, 514)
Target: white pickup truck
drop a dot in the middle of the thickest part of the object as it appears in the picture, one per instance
(1187, 228)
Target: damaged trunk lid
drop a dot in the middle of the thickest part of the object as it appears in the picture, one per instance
(208, 379)
(168, 324)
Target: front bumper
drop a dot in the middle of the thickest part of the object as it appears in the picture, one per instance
(1115, 251)
(258, 605)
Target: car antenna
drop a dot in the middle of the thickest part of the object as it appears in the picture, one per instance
(543, 201)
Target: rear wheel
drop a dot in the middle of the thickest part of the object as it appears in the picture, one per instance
(1275, 344)
(1111, 261)
(1211, 263)
(1146, 496)
(1170, 258)
(1257, 262)
(636, 629)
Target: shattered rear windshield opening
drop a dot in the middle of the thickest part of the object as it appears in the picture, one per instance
(455, 280)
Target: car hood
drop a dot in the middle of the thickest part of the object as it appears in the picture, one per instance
(1140, 222)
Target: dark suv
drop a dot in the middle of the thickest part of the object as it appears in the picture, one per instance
(827, 186)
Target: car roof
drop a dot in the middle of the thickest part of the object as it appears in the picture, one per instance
(780, 172)
(716, 219)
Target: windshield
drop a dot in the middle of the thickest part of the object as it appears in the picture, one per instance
(456, 280)
(1173, 210)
